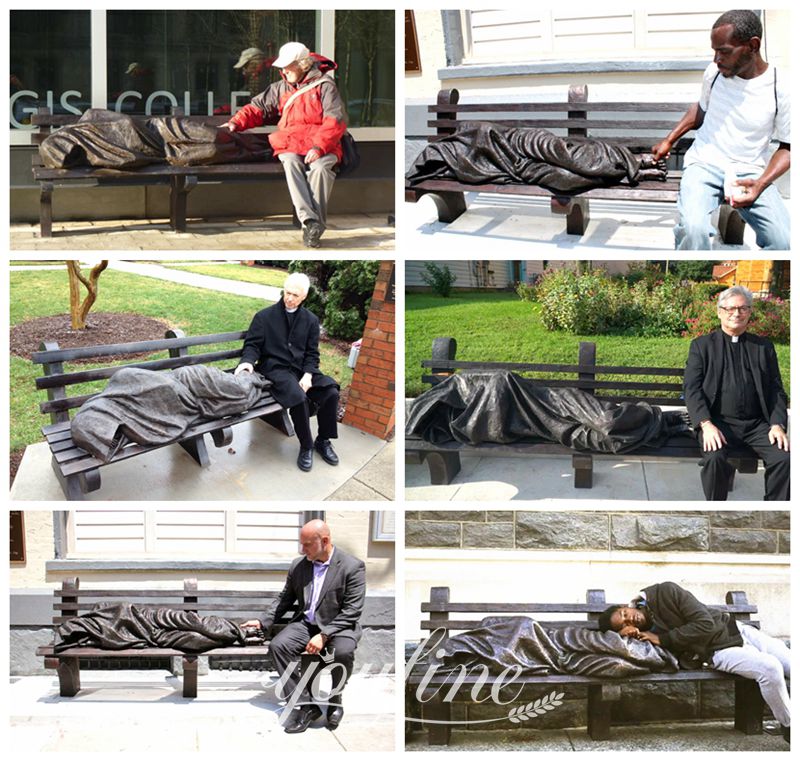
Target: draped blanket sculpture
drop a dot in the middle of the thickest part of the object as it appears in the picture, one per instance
(116, 627)
(484, 152)
(103, 138)
(517, 641)
(153, 408)
(502, 407)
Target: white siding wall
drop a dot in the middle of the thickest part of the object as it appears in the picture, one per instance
(469, 274)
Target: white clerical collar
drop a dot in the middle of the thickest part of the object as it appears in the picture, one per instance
(734, 339)
(291, 311)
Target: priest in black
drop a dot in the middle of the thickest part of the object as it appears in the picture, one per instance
(735, 398)
(282, 343)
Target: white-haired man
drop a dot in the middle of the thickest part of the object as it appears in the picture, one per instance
(311, 120)
(282, 343)
(734, 396)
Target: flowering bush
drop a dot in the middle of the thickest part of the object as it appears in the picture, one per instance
(770, 318)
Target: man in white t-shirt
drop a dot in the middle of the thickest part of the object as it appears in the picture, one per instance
(743, 106)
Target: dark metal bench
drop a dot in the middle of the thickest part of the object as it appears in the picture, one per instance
(618, 122)
(70, 601)
(181, 179)
(602, 693)
(617, 384)
(77, 470)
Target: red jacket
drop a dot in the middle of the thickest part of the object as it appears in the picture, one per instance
(315, 119)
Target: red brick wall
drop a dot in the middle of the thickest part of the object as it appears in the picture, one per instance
(370, 404)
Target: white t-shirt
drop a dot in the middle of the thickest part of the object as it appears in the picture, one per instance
(741, 121)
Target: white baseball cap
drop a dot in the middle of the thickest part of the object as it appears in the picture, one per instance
(289, 53)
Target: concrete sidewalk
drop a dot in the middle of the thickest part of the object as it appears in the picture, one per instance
(642, 739)
(144, 712)
(258, 465)
(346, 232)
(549, 477)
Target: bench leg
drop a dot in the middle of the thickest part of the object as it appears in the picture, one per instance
(439, 711)
(748, 707)
(180, 187)
(443, 466)
(46, 210)
(71, 485)
(69, 677)
(450, 205)
(196, 447)
(190, 676)
(599, 719)
(576, 211)
(582, 465)
(280, 420)
(731, 226)
(222, 437)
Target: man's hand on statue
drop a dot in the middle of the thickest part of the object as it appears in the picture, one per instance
(713, 438)
(661, 150)
(748, 191)
(252, 624)
(305, 382)
(245, 367)
(628, 631)
(315, 644)
(649, 637)
(777, 436)
(312, 156)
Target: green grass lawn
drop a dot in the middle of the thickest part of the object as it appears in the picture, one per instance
(235, 271)
(196, 311)
(500, 327)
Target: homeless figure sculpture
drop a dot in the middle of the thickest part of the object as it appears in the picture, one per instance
(152, 408)
(502, 407)
(116, 627)
(532, 649)
(103, 138)
(484, 152)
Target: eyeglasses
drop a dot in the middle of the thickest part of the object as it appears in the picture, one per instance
(731, 310)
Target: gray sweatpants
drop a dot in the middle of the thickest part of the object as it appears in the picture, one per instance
(310, 185)
(765, 659)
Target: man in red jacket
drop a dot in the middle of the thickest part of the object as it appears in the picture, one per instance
(310, 116)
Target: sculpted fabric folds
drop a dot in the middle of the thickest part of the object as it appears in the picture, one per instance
(116, 627)
(152, 408)
(517, 641)
(502, 408)
(103, 138)
(483, 152)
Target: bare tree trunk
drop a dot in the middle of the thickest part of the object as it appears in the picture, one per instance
(77, 309)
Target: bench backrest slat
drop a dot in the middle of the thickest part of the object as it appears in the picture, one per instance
(650, 126)
(561, 106)
(459, 364)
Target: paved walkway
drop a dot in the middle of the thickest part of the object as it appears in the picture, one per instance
(345, 233)
(144, 712)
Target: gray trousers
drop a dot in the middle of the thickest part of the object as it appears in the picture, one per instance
(310, 185)
(765, 659)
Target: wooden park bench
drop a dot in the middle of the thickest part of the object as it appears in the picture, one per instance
(615, 384)
(618, 122)
(447, 686)
(70, 601)
(78, 471)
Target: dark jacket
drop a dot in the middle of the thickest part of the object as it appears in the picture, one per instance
(688, 628)
(282, 355)
(341, 599)
(702, 380)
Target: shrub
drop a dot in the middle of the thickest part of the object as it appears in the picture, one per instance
(526, 291)
(440, 279)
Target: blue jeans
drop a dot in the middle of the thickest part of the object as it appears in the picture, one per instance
(702, 193)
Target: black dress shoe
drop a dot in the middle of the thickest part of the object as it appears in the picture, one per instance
(312, 232)
(323, 446)
(335, 714)
(305, 459)
(301, 719)
(785, 731)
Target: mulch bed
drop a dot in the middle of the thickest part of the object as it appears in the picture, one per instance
(102, 328)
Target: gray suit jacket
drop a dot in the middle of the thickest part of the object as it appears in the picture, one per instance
(341, 600)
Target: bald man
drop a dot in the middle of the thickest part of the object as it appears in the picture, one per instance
(328, 587)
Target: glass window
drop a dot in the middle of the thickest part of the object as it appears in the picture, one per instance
(50, 63)
(206, 62)
(365, 56)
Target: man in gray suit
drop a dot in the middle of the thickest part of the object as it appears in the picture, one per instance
(328, 587)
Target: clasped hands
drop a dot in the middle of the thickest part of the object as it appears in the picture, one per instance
(314, 646)
(633, 632)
